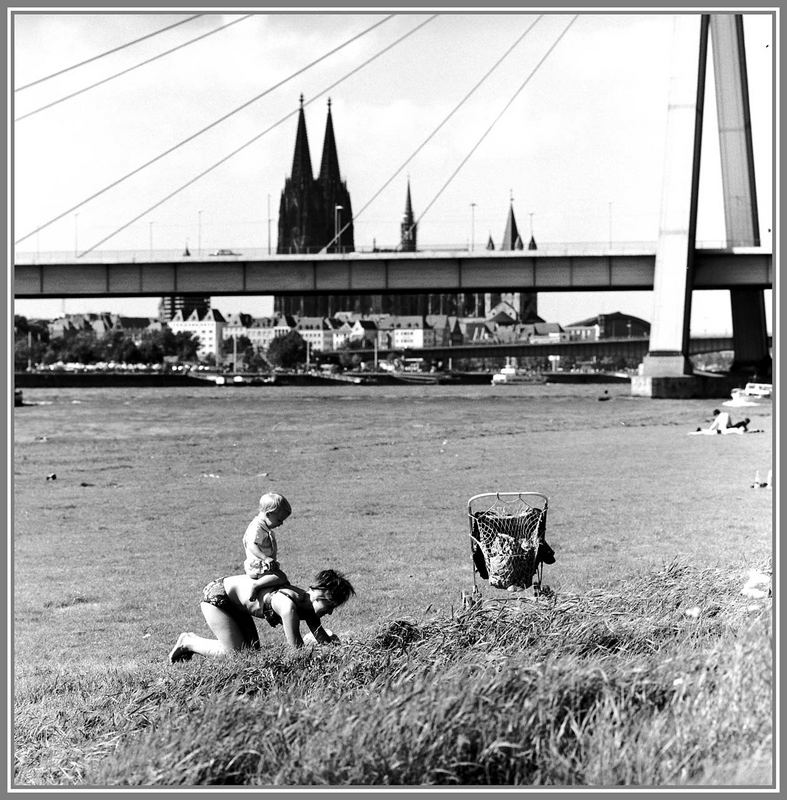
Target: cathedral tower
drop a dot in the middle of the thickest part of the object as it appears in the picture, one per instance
(337, 208)
(311, 214)
(301, 225)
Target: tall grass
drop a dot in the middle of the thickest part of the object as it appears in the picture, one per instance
(662, 679)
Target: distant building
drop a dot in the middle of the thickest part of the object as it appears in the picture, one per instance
(544, 333)
(103, 324)
(409, 331)
(316, 332)
(524, 303)
(608, 326)
(186, 304)
(208, 329)
(364, 331)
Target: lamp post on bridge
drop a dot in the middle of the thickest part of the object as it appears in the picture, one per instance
(76, 235)
(150, 239)
(336, 215)
(199, 233)
(472, 226)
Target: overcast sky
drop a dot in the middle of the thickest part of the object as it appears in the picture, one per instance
(580, 148)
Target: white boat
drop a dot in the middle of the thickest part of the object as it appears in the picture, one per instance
(508, 375)
(758, 390)
(739, 400)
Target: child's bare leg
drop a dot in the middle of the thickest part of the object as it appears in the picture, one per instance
(268, 581)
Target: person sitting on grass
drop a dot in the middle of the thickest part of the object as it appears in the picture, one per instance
(229, 610)
(259, 543)
(722, 422)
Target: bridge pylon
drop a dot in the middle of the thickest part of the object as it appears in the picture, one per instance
(667, 370)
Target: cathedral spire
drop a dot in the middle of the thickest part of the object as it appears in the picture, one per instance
(302, 160)
(329, 167)
(511, 233)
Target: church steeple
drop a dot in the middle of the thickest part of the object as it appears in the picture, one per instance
(301, 174)
(329, 167)
(511, 233)
(409, 228)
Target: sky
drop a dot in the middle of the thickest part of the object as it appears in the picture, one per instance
(569, 129)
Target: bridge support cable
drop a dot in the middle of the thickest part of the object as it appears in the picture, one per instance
(496, 120)
(251, 141)
(131, 68)
(434, 132)
(206, 128)
(108, 52)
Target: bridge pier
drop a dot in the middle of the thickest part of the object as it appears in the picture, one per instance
(677, 386)
(667, 370)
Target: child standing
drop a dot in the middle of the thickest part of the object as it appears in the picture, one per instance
(259, 542)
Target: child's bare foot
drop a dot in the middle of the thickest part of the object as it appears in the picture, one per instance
(181, 651)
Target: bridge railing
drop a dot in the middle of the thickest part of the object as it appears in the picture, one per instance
(240, 253)
(143, 255)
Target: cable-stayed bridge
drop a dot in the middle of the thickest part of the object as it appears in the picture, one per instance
(582, 268)
(673, 268)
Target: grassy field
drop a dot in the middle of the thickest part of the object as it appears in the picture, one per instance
(154, 489)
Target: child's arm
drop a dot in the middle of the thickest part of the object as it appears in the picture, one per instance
(253, 550)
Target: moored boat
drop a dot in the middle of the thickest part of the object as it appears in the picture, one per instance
(509, 375)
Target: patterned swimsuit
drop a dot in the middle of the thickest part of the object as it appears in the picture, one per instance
(215, 594)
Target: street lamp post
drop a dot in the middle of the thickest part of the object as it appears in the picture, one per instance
(76, 235)
(269, 224)
(472, 226)
(199, 233)
(336, 210)
(150, 239)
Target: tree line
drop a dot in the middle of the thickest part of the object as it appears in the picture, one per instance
(34, 345)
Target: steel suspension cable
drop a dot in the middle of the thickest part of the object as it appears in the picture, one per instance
(202, 130)
(434, 132)
(132, 68)
(496, 120)
(251, 141)
(107, 52)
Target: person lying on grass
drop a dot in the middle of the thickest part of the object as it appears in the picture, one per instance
(229, 610)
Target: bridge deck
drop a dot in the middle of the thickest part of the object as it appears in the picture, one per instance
(358, 273)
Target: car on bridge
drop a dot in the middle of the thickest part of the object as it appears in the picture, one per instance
(224, 252)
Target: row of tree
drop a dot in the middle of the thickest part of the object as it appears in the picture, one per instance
(33, 345)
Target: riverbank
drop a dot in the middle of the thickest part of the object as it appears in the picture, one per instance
(75, 380)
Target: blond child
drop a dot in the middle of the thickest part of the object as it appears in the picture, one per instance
(259, 542)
